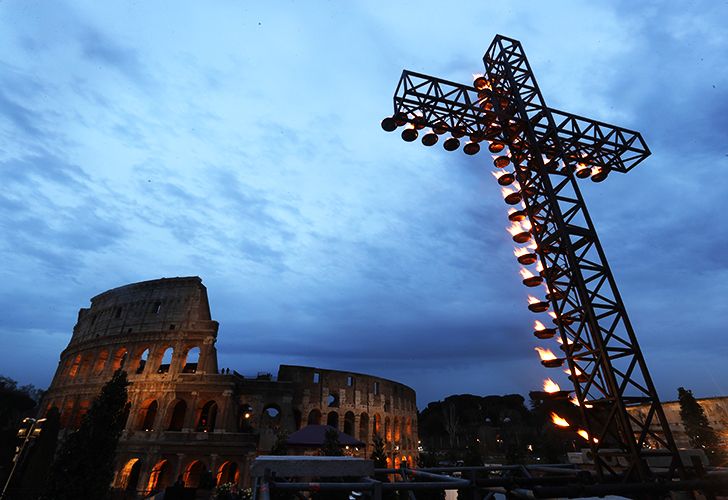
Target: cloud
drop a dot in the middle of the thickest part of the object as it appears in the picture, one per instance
(100, 48)
(251, 156)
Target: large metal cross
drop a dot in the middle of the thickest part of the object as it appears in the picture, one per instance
(542, 154)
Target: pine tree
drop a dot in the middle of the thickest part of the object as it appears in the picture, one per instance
(378, 454)
(331, 446)
(700, 433)
(84, 466)
(280, 447)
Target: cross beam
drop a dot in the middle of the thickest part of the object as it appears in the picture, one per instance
(548, 151)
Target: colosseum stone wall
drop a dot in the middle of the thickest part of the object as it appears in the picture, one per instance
(359, 405)
(187, 419)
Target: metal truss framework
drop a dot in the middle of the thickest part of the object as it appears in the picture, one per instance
(546, 146)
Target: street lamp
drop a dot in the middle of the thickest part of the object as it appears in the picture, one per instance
(29, 430)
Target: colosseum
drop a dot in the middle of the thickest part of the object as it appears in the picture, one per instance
(190, 420)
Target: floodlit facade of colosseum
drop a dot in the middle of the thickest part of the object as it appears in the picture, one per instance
(189, 420)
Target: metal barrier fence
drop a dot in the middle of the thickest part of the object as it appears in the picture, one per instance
(359, 477)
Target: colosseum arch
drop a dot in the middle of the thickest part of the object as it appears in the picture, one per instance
(228, 472)
(332, 400)
(349, 422)
(245, 418)
(147, 415)
(397, 428)
(75, 366)
(142, 361)
(271, 417)
(332, 419)
(129, 475)
(67, 413)
(177, 411)
(377, 425)
(314, 417)
(84, 370)
(297, 419)
(66, 368)
(101, 360)
(387, 430)
(207, 417)
(193, 473)
(165, 361)
(159, 477)
(82, 410)
(364, 427)
(119, 360)
(191, 360)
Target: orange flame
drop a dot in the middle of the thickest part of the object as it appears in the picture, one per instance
(506, 191)
(518, 251)
(515, 228)
(575, 402)
(568, 341)
(533, 300)
(519, 227)
(553, 314)
(538, 326)
(525, 273)
(550, 386)
(585, 435)
(498, 175)
(557, 420)
(576, 370)
(544, 354)
(539, 266)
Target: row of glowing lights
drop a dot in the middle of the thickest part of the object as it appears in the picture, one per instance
(520, 228)
(413, 122)
(520, 231)
(582, 170)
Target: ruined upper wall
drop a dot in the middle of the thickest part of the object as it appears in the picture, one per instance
(165, 304)
(157, 331)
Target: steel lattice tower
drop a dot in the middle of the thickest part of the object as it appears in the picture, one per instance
(548, 151)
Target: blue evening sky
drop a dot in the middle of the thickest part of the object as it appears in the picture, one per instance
(240, 141)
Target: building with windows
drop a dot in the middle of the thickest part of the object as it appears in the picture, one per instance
(189, 420)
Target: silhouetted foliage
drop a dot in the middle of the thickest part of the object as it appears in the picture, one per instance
(33, 477)
(495, 423)
(499, 429)
(331, 446)
(280, 447)
(473, 456)
(84, 466)
(426, 459)
(697, 427)
(379, 455)
(16, 403)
